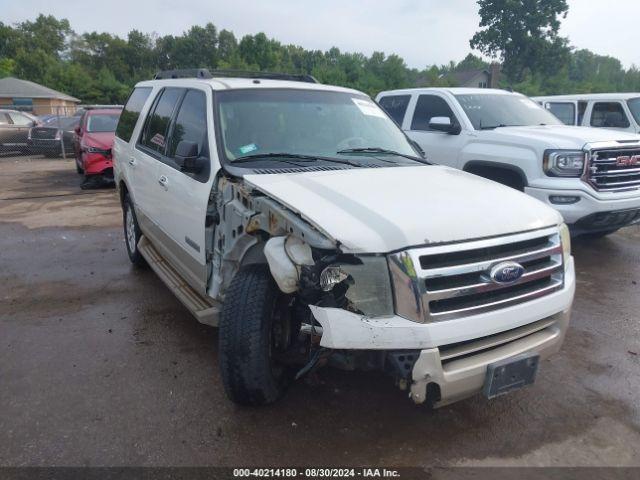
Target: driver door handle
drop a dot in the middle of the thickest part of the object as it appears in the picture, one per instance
(163, 181)
(132, 161)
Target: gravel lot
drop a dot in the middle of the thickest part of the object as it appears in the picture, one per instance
(100, 365)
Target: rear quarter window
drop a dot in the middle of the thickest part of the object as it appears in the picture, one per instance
(131, 112)
(565, 111)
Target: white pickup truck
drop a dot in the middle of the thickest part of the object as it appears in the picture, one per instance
(591, 176)
(300, 219)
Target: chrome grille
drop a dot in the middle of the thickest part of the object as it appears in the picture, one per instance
(453, 281)
(614, 169)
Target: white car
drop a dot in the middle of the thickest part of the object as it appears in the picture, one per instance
(300, 219)
(618, 111)
(591, 176)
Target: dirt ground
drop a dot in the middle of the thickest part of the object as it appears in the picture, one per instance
(100, 365)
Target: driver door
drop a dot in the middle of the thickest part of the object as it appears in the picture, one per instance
(439, 147)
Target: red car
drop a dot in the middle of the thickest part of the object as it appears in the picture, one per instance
(93, 142)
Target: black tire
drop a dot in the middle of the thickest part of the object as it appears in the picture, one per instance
(79, 169)
(131, 228)
(249, 372)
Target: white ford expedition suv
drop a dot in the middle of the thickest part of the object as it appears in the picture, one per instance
(300, 219)
(591, 176)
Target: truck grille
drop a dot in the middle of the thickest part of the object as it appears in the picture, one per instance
(615, 169)
(43, 133)
(454, 281)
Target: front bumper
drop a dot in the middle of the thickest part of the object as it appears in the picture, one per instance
(96, 163)
(582, 216)
(456, 378)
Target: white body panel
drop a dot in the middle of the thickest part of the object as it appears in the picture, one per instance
(380, 210)
(522, 149)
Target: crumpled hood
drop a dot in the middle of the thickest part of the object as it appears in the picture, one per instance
(562, 136)
(378, 210)
(102, 140)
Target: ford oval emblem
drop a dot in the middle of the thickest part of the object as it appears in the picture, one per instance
(506, 272)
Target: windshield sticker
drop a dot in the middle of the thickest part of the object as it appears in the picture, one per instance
(252, 147)
(158, 139)
(368, 108)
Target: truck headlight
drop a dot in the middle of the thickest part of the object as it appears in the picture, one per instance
(370, 289)
(565, 238)
(564, 163)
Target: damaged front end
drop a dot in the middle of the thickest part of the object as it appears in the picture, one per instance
(310, 268)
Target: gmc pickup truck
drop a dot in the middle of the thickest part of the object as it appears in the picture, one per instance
(591, 176)
(301, 220)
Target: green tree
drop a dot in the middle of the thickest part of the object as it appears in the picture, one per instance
(523, 34)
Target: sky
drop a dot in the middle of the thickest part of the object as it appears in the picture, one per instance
(423, 32)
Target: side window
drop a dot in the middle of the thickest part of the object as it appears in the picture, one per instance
(154, 136)
(582, 107)
(4, 119)
(395, 106)
(20, 120)
(191, 122)
(609, 115)
(427, 107)
(565, 111)
(131, 112)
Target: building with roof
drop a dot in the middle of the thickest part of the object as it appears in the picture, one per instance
(477, 78)
(35, 98)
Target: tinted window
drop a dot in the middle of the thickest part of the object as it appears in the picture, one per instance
(609, 115)
(155, 131)
(191, 122)
(430, 106)
(395, 106)
(20, 119)
(634, 106)
(131, 112)
(566, 112)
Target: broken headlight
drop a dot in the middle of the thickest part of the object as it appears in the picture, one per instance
(370, 288)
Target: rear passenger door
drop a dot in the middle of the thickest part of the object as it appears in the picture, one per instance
(20, 128)
(147, 157)
(184, 195)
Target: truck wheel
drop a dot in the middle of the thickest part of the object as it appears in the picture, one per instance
(255, 325)
(132, 232)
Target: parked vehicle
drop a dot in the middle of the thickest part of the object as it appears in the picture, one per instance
(93, 142)
(49, 138)
(300, 219)
(619, 111)
(591, 176)
(14, 130)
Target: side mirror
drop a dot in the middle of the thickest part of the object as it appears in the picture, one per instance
(78, 130)
(443, 124)
(187, 157)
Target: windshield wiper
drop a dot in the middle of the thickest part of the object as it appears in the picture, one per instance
(383, 151)
(296, 156)
(502, 125)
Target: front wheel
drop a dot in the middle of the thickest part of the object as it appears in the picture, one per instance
(255, 327)
(132, 232)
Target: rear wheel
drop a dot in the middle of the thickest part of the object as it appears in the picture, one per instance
(132, 232)
(255, 329)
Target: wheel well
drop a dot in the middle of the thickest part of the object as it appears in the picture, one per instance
(510, 176)
(123, 190)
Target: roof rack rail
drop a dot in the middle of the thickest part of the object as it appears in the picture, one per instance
(205, 73)
(183, 73)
